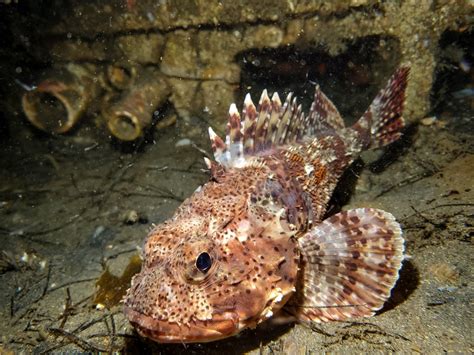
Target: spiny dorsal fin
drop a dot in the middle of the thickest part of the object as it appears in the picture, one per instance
(270, 125)
(261, 129)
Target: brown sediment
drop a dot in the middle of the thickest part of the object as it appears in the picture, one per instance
(129, 113)
(61, 99)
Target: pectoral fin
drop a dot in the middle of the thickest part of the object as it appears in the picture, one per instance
(350, 263)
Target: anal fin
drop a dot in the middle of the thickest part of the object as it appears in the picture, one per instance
(350, 264)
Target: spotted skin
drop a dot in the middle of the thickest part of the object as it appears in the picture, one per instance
(255, 262)
(251, 244)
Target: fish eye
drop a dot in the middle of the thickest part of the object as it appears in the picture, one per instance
(204, 262)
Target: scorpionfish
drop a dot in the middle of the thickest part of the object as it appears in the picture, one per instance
(254, 243)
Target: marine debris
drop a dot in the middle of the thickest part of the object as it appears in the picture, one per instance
(129, 113)
(61, 98)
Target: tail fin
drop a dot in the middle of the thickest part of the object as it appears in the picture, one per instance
(382, 122)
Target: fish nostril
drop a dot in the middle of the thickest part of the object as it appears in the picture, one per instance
(204, 262)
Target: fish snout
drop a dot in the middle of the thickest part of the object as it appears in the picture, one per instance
(220, 326)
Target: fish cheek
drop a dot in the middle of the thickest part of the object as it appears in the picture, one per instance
(231, 288)
(250, 304)
(259, 277)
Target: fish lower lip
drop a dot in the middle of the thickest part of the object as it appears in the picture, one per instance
(162, 331)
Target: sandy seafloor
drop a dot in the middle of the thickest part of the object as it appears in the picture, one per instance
(64, 200)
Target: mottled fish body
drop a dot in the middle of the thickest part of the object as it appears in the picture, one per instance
(251, 244)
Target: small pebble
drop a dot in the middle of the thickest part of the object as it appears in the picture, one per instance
(428, 121)
(183, 142)
(131, 217)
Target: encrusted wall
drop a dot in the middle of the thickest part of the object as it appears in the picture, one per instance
(194, 44)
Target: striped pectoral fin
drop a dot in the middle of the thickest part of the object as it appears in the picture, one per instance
(350, 264)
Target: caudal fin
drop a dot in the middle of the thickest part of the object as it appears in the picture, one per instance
(350, 263)
(382, 122)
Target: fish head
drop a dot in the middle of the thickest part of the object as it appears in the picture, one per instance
(207, 278)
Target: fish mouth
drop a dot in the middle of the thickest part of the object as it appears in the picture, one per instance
(196, 331)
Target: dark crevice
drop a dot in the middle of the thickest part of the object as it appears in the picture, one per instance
(351, 80)
(454, 74)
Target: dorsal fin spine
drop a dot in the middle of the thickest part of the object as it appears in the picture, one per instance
(289, 115)
(273, 121)
(284, 121)
(264, 110)
(250, 116)
(219, 148)
(235, 135)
